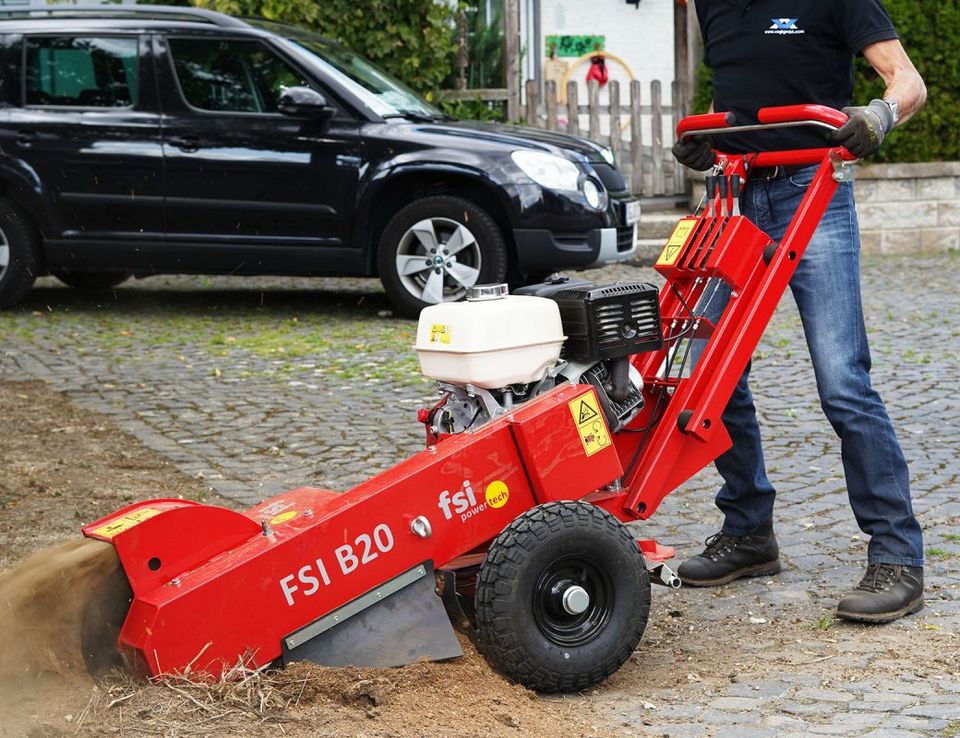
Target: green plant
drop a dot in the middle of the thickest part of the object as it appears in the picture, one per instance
(932, 134)
(473, 109)
(939, 554)
(824, 622)
(414, 40)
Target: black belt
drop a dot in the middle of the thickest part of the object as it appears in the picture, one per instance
(769, 173)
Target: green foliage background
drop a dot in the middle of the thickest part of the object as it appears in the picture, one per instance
(414, 40)
(929, 31)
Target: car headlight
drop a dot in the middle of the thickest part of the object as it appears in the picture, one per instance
(548, 170)
(608, 157)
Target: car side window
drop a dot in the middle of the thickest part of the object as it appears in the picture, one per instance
(81, 71)
(231, 76)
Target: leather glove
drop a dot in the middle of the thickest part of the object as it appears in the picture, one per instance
(863, 134)
(695, 153)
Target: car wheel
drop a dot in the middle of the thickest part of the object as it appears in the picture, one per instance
(435, 249)
(562, 597)
(91, 280)
(19, 264)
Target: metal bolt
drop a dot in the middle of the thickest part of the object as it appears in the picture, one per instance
(420, 526)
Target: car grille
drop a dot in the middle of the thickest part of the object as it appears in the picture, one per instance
(625, 238)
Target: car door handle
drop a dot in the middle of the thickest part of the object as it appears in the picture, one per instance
(187, 142)
(26, 138)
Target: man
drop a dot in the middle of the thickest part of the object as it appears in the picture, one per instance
(784, 52)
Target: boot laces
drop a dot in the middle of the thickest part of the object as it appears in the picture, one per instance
(720, 544)
(879, 578)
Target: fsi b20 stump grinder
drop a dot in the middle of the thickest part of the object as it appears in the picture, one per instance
(567, 411)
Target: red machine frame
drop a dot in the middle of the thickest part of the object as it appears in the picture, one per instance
(211, 586)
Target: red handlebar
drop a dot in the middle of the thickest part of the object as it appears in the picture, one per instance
(693, 123)
(798, 113)
(776, 117)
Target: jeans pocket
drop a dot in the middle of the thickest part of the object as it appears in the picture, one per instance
(802, 177)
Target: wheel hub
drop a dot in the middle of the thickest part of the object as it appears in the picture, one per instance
(572, 600)
(438, 260)
(575, 600)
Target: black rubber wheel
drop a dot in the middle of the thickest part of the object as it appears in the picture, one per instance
(91, 280)
(436, 248)
(19, 260)
(562, 597)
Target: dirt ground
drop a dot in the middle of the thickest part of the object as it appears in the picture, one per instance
(61, 466)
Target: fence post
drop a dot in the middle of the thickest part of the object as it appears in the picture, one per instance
(573, 109)
(593, 102)
(656, 134)
(531, 102)
(636, 140)
(616, 145)
(551, 98)
(678, 103)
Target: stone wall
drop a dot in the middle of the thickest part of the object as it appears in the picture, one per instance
(907, 208)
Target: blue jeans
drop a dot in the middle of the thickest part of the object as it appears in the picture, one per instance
(826, 287)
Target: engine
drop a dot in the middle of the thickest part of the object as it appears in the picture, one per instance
(497, 350)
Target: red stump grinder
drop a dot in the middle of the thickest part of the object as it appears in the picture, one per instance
(568, 410)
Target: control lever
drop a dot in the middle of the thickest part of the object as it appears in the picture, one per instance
(735, 193)
(723, 196)
(710, 183)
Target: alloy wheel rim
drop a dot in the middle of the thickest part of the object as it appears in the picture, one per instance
(438, 260)
(4, 253)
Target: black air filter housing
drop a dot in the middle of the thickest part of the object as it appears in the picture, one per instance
(605, 321)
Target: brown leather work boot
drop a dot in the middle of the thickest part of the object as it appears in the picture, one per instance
(886, 592)
(727, 557)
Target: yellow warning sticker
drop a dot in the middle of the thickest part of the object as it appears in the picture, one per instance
(497, 494)
(440, 333)
(678, 238)
(119, 525)
(283, 517)
(590, 424)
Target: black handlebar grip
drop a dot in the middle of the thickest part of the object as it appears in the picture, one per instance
(723, 187)
(735, 186)
(730, 118)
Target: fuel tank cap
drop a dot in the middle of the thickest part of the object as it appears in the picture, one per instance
(481, 292)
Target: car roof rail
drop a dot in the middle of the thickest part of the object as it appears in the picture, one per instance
(28, 10)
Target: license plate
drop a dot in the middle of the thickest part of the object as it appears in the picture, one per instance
(631, 212)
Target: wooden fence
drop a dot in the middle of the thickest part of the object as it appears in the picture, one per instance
(623, 125)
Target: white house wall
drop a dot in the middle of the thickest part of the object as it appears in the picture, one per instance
(642, 37)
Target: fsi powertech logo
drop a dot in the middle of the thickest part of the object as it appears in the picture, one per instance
(784, 27)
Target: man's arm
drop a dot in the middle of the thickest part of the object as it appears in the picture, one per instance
(904, 83)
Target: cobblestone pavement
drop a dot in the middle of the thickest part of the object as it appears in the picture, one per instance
(260, 385)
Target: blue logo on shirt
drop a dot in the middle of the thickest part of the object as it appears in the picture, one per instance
(784, 27)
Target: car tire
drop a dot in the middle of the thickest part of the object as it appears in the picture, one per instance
(19, 260)
(527, 627)
(91, 280)
(419, 233)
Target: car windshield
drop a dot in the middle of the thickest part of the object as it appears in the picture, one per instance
(378, 90)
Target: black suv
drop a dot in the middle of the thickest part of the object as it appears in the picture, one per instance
(139, 140)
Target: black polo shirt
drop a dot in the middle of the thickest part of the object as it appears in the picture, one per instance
(785, 52)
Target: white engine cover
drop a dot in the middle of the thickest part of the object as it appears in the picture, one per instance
(490, 343)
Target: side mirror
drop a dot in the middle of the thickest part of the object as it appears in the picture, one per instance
(303, 102)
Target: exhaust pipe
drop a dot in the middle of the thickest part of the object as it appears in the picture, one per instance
(663, 575)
